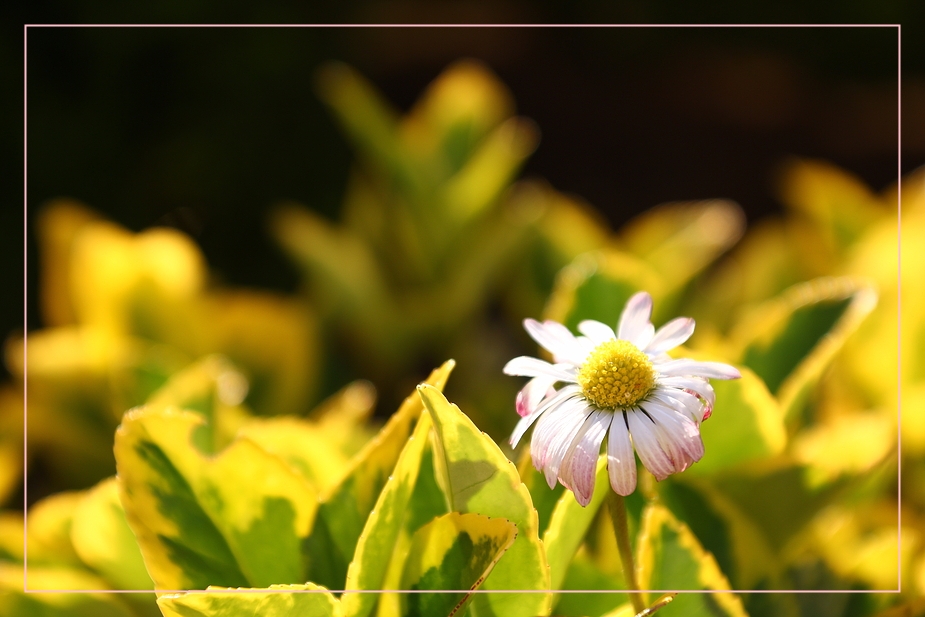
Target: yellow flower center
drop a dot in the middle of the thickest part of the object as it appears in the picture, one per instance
(616, 374)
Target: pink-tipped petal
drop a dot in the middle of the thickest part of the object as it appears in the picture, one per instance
(670, 335)
(553, 435)
(677, 434)
(579, 467)
(685, 402)
(695, 385)
(596, 331)
(559, 398)
(621, 463)
(645, 438)
(531, 394)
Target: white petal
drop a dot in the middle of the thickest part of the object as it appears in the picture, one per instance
(700, 386)
(554, 434)
(531, 394)
(684, 402)
(525, 366)
(691, 368)
(670, 335)
(677, 434)
(556, 338)
(645, 438)
(634, 323)
(579, 467)
(621, 463)
(552, 402)
(596, 331)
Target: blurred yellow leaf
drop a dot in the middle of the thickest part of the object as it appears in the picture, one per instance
(49, 530)
(57, 225)
(847, 444)
(102, 539)
(679, 239)
(136, 283)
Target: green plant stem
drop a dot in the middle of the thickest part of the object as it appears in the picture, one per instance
(621, 531)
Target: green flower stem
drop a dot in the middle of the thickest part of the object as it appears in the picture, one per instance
(621, 531)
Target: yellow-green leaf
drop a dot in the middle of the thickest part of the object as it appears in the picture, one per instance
(344, 509)
(454, 552)
(489, 170)
(671, 558)
(15, 603)
(237, 518)
(569, 524)
(478, 478)
(103, 540)
(272, 340)
(49, 530)
(679, 239)
(306, 600)
(211, 387)
(597, 286)
(838, 207)
(377, 543)
(790, 340)
(747, 425)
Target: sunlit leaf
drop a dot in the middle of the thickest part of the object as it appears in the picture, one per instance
(478, 478)
(338, 262)
(584, 574)
(211, 387)
(455, 113)
(837, 205)
(237, 518)
(679, 239)
(306, 600)
(377, 543)
(738, 545)
(272, 340)
(103, 540)
(455, 552)
(779, 499)
(670, 558)
(597, 286)
(544, 499)
(69, 415)
(49, 530)
(138, 284)
(57, 225)
(14, 602)
(761, 266)
(344, 509)
(371, 124)
(747, 425)
(569, 524)
(11, 440)
(12, 532)
(311, 450)
(790, 340)
(848, 444)
(490, 169)
(862, 543)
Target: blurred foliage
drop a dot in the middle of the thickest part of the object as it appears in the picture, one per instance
(230, 474)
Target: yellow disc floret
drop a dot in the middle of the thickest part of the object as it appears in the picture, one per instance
(616, 374)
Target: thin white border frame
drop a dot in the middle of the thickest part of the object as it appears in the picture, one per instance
(898, 28)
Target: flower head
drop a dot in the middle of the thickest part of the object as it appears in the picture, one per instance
(621, 385)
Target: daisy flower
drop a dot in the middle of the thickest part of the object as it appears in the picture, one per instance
(621, 385)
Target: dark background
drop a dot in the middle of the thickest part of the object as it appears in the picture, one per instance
(207, 129)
